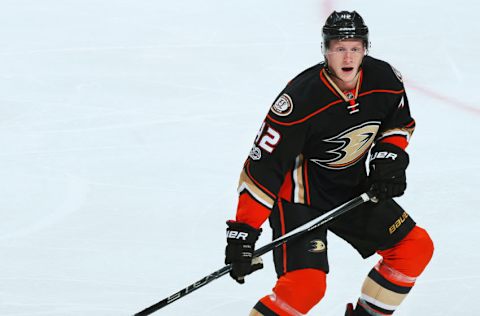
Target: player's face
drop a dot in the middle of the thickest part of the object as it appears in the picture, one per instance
(344, 58)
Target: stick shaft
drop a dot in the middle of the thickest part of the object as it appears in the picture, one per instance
(313, 224)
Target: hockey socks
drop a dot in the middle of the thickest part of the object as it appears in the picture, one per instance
(295, 293)
(389, 282)
(381, 296)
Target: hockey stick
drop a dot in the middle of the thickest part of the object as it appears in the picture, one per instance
(309, 226)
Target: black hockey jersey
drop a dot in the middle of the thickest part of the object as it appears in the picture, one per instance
(312, 147)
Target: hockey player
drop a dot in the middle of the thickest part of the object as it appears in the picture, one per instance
(309, 156)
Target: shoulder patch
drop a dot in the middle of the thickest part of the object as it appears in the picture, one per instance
(283, 106)
(397, 73)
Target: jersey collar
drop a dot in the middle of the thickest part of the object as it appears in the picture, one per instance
(346, 96)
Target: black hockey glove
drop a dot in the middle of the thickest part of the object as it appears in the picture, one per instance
(241, 240)
(387, 171)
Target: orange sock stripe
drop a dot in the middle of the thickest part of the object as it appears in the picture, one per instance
(301, 289)
(278, 307)
(405, 261)
(269, 305)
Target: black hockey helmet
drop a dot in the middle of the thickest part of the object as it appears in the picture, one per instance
(342, 25)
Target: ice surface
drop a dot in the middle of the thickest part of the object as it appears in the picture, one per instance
(124, 126)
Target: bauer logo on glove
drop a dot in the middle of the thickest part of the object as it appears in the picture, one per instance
(232, 234)
(241, 240)
(388, 164)
(383, 155)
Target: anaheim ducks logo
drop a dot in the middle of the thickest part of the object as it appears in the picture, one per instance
(353, 144)
(317, 245)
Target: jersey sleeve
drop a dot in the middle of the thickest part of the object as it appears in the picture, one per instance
(278, 142)
(399, 124)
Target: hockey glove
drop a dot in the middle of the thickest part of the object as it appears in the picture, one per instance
(387, 171)
(241, 240)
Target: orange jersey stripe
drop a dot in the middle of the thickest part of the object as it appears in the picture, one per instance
(398, 141)
(305, 181)
(382, 91)
(286, 188)
(284, 246)
(306, 117)
(328, 106)
(251, 212)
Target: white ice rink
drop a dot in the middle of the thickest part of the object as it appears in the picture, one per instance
(124, 126)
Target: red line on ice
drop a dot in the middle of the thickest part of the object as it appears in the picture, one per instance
(445, 99)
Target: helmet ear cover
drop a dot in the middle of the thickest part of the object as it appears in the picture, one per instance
(344, 25)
